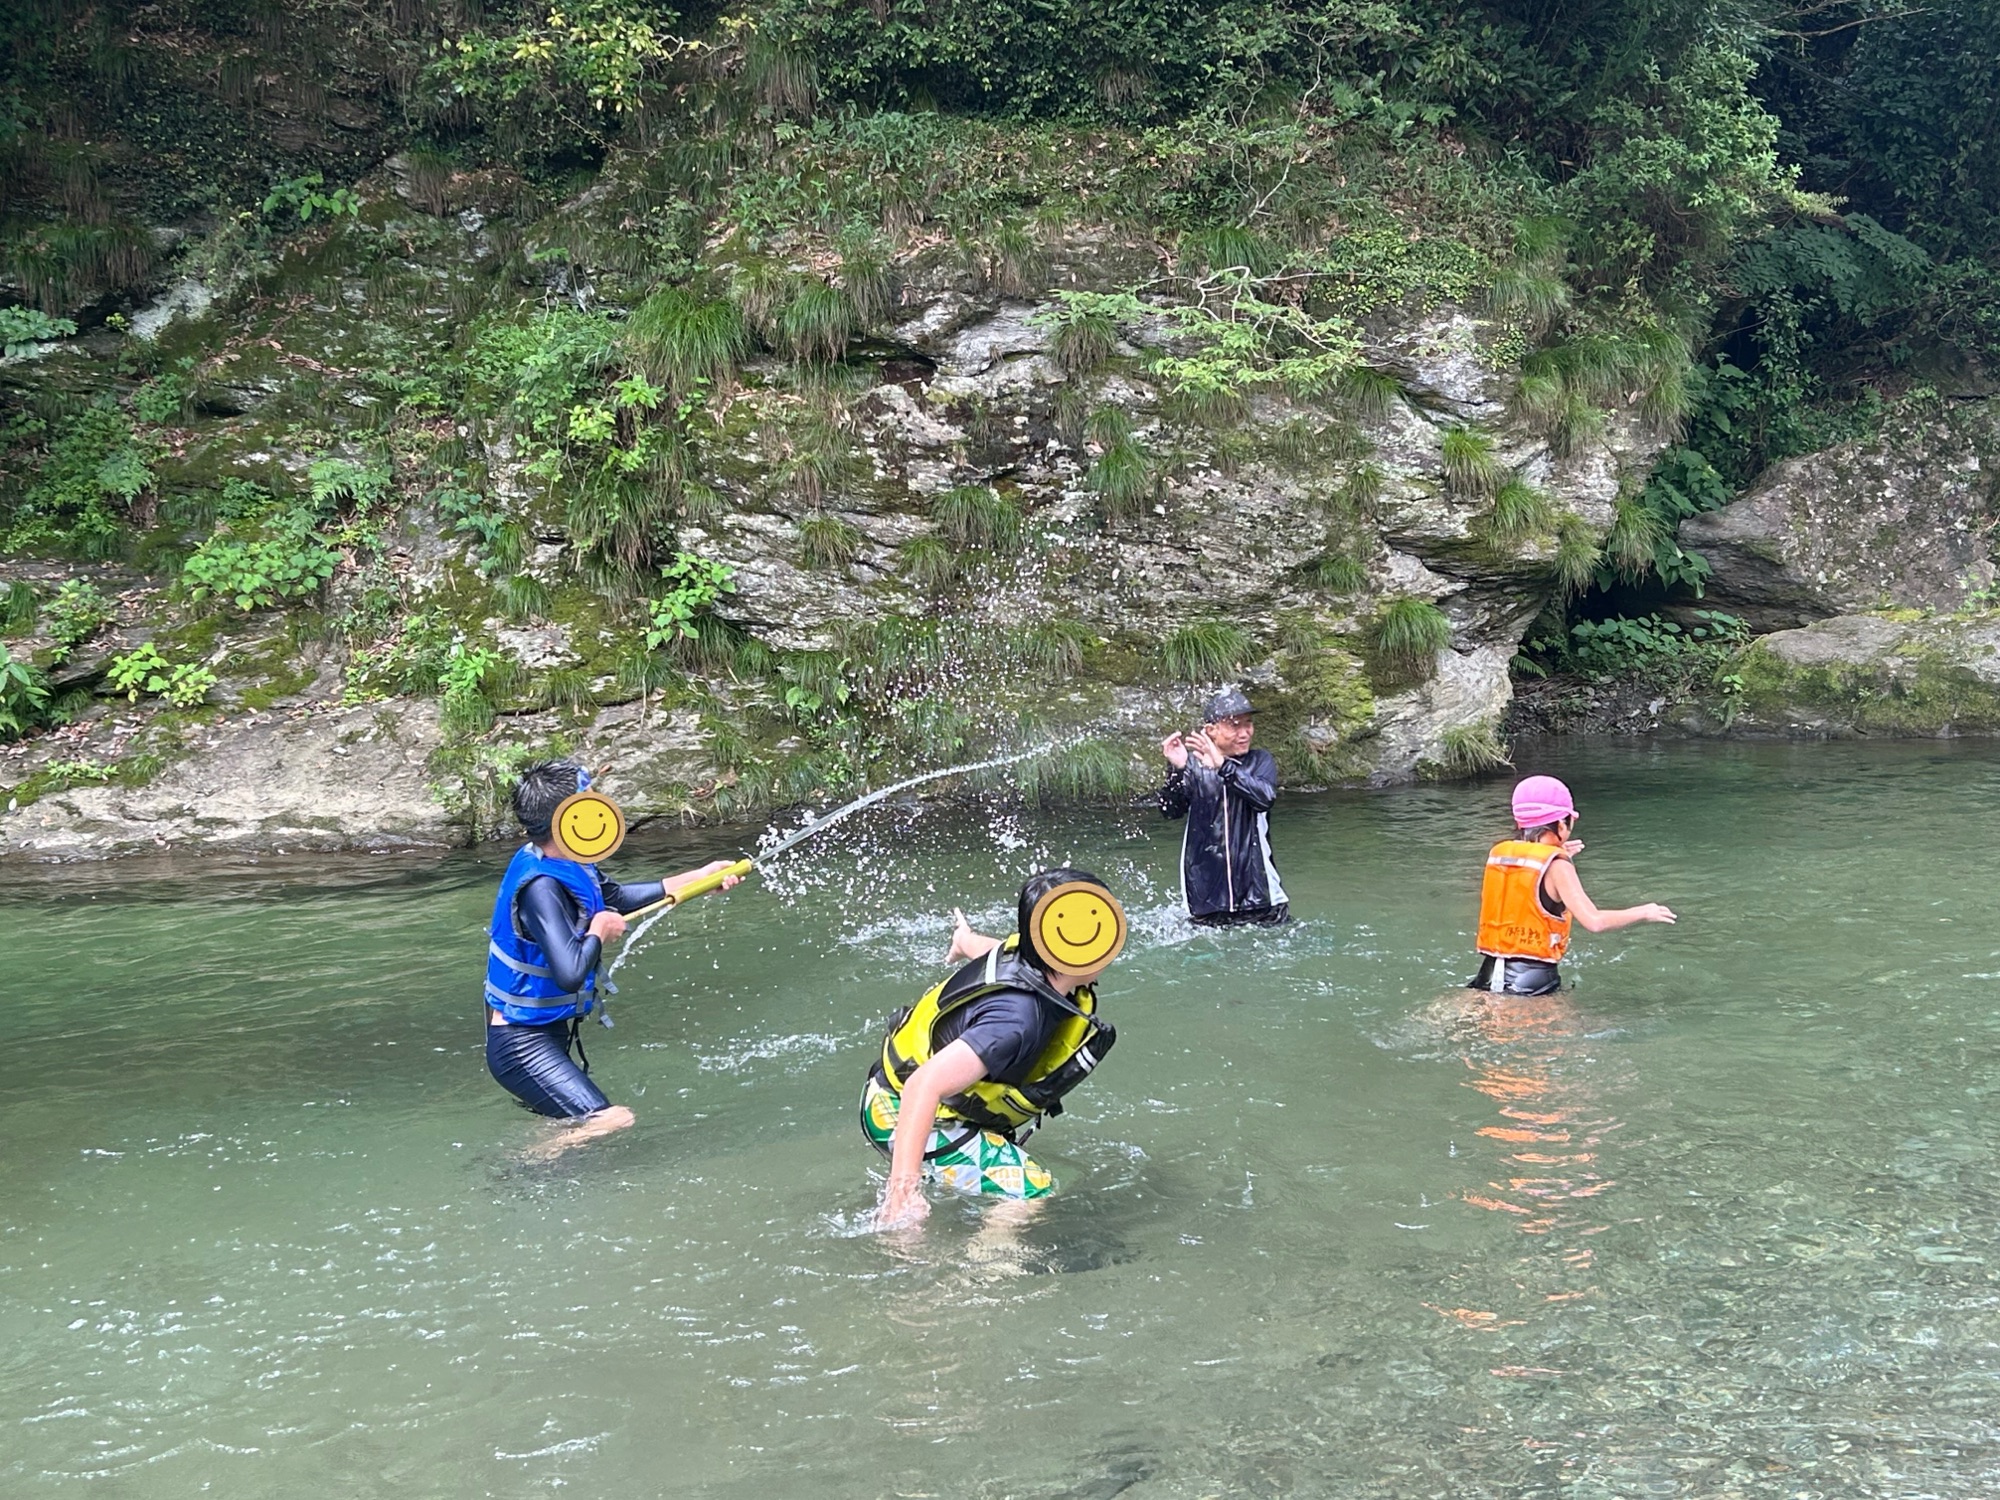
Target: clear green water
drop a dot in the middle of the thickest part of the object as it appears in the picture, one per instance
(1717, 1222)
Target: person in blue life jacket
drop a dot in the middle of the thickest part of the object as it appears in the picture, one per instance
(967, 1073)
(552, 919)
(1225, 790)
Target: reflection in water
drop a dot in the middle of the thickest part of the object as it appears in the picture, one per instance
(1538, 1058)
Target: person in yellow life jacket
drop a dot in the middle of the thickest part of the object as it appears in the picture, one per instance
(966, 1074)
(1531, 895)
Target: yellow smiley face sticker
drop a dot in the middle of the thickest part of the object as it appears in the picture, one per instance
(588, 827)
(1079, 928)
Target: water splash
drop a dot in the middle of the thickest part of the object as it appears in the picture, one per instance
(772, 844)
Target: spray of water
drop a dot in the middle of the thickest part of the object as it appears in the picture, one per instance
(772, 845)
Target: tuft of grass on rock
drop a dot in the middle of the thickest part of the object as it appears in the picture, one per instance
(828, 541)
(931, 563)
(1470, 469)
(1409, 633)
(976, 517)
(1205, 651)
(1520, 511)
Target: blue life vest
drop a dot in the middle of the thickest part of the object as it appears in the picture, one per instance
(519, 983)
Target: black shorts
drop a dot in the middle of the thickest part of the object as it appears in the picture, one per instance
(1523, 976)
(533, 1064)
(1248, 916)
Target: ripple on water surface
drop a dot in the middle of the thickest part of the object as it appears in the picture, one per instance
(1717, 1221)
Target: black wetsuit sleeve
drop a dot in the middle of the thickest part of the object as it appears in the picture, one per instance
(1254, 778)
(624, 898)
(1174, 796)
(546, 914)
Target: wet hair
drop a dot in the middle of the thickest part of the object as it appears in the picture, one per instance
(1531, 835)
(1039, 885)
(540, 791)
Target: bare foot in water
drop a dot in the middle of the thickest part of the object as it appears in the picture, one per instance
(605, 1122)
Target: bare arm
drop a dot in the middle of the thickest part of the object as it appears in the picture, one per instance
(953, 1070)
(1566, 888)
(965, 943)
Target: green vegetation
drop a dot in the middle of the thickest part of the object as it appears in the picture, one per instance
(1467, 750)
(1470, 468)
(146, 670)
(1205, 651)
(1663, 655)
(24, 697)
(828, 541)
(1408, 633)
(975, 517)
(77, 613)
(1520, 511)
(695, 232)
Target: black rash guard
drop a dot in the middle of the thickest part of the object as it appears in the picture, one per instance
(546, 914)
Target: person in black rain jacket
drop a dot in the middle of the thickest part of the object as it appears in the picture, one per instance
(1225, 789)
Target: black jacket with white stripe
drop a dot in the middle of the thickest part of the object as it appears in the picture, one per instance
(1226, 865)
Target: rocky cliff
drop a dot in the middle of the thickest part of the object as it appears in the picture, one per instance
(983, 518)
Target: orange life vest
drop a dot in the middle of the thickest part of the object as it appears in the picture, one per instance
(1513, 923)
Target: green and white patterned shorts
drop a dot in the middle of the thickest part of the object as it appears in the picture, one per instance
(959, 1156)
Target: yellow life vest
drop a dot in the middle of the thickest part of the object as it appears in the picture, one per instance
(1077, 1045)
(1513, 923)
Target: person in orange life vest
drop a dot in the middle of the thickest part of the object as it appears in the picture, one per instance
(1531, 894)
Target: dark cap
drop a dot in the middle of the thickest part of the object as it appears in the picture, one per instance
(1225, 703)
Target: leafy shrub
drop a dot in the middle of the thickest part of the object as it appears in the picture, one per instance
(77, 612)
(161, 400)
(1654, 649)
(1205, 651)
(694, 585)
(461, 685)
(307, 195)
(21, 328)
(89, 476)
(341, 481)
(24, 696)
(145, 670)
(277, 560)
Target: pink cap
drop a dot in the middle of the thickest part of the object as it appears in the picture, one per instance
(1541, 799)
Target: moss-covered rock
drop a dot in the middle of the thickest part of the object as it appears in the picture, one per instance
(1874, 675)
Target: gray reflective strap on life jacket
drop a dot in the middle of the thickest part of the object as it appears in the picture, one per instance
(495, 950)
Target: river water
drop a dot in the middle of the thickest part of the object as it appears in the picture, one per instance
(1717, 1221)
